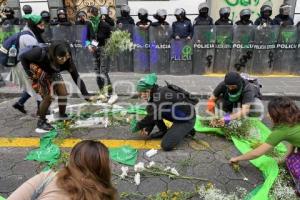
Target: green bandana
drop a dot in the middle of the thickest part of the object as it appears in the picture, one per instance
(95, 20)
(146, 82)
(235, 97)
(36, 19)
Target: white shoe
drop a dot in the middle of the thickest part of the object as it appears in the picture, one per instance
(113, 99)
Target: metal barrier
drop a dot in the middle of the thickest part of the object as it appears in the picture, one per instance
(218, 49)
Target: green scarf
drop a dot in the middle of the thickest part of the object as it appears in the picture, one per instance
(95, 23)
(235, 97)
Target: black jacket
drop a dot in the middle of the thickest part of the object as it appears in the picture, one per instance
(183, 29)
(163, 102)
(125, 20)
(240, 22)
(224, 22)
(203, 21)
(155, 24)
(40, 56)
(261, 21)
(104, 31)
(283, 20)
(12, 21)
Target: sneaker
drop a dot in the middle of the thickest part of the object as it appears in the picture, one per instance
(62, 117)
(191, 134)
(43, 126)
(157, 135)
(113, 99)
(19, 107)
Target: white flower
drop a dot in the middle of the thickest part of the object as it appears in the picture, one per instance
(174, 171)
(245, 179)
(137, 178)
(151, 164)
(167, 169)
(124, 172)
(106, 122)
(139, 167)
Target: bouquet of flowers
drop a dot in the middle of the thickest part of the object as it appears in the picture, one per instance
(118, 42)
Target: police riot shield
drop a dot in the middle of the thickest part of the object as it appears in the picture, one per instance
(296, 68)
(265, 39)
(47, 35)
(204, 39)
(124, 60)
(224, 36)
(242, 48)
(181, 57)
(141, 50)
(285, 53)
(63, 33)
(160, 49)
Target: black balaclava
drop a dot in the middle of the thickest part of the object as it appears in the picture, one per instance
(60, 13)
(143, 14)
(27, 9)
(45, 16)
(245, 15)
(224, 13)
(204, 12)
(36, 30)
(266, 11)
(125, 11)
(234, 78)
(80, 15)
(161, 15)
(285, 11)
(179, 14)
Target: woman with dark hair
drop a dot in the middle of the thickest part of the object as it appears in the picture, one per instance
(31, 35)
(87, 176)
(43, 66)
(285, 115)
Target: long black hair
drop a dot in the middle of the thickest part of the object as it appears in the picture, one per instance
(36, 31)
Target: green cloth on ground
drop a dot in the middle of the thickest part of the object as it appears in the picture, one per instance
(133, 126)
(267, 165)
(48, 152)
(125, 155)
(137, 109)
(1, 198)
(290, 134)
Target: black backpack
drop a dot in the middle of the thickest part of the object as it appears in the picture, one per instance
(190, 98)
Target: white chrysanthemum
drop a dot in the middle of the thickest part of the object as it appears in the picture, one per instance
(151, 164)
(174, 171)
(167, 169)
(124, 172)
(139, 167)
(137, 178)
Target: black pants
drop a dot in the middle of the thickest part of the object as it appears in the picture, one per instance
(176, 133)
(102, 68)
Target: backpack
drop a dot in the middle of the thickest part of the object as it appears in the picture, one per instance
(190, 98)
(254, 82)
(8, 43)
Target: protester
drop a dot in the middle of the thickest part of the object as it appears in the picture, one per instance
(165, 103)
(286, 118)
(93, 16)
(235, 92)
(265, 15)
(125, 18)
(283, 18)
(144, 22)
(224, 17)
(182, 28)
(81, 18)
(86, 176)
(203, 17)
(9, 17)
(160, 16)
(43, 66)
(31, 36)
(245, 16)
(62, 18)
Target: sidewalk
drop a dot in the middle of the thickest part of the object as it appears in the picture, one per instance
(202, 86)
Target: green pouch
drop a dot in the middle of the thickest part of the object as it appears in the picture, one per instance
(125, 155)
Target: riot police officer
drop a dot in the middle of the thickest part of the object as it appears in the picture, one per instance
(161, 16)
(61, 18)
(283, 18)
(9, 17)
(144, 21)
(203, 17)
(125, 16)
(224, 17)
(265, 15)
(245, 16)
(182, 28)
(45, 16)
